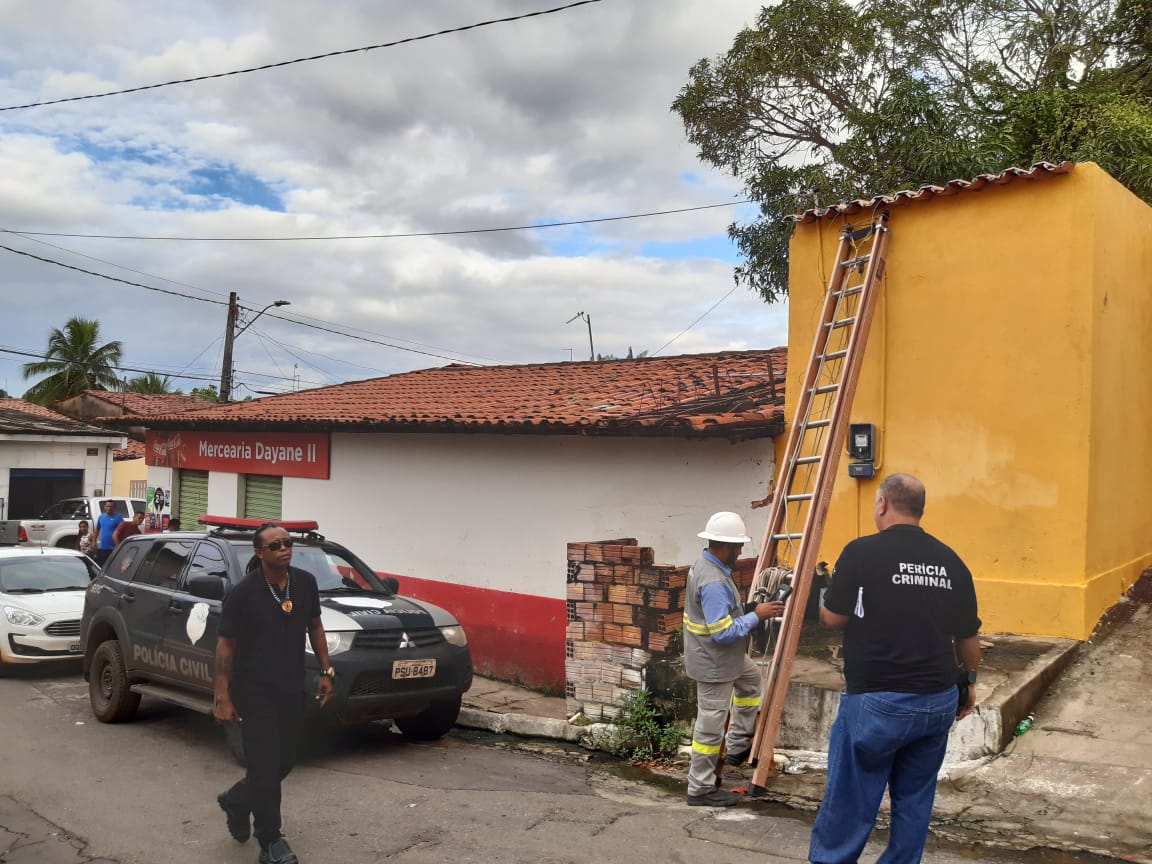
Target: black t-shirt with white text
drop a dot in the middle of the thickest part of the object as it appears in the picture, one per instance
(269, 653)
(908, 597)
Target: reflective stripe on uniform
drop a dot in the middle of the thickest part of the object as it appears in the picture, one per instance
(706, 749)
(746, 701)
(707, 629)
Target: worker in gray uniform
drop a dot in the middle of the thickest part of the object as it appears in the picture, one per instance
(716, 658)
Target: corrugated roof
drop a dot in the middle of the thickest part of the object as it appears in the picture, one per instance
(952, 187)
(18, 417)
(728, 393)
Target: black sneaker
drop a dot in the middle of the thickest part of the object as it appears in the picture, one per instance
(736, 759)
(715, 798)
(239, 821)
(278, 852)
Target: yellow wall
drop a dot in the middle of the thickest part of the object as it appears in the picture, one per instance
(986, 376)
(124, 472)
(1120, 444)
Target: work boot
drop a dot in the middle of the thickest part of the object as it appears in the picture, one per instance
(715, 798)
(737, 759)
(239, 820)
(278, 852)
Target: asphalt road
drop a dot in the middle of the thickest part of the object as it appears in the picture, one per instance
(75, 790)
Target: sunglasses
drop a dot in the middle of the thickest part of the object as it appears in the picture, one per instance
(277, 545)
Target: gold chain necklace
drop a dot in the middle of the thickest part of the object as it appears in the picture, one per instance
(286, 603)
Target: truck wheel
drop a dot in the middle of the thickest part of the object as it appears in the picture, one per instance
(108, 690)
(433, 722)
(67, 543)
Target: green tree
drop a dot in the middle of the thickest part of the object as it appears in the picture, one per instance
(75, 361)
(150, 382)
(210, 393)
(825, 100)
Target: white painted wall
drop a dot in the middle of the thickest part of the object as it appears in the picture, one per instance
(497, 511)
(27, 451)
(223, 493)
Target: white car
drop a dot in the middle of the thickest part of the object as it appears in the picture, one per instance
(41, 601)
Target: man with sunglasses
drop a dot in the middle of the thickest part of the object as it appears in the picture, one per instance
(260, 683)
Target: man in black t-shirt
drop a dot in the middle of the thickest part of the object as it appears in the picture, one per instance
(260, 683)
(907, 606)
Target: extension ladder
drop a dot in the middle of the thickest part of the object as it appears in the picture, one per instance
(803, 488)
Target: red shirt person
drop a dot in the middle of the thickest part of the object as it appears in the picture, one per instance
(127, 529)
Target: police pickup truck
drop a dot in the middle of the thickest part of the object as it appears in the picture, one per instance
(150, 625)
(60, 523)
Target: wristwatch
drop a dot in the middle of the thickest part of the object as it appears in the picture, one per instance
(971, 677)
(331, 673)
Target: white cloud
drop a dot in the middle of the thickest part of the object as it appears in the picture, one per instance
(555, 118)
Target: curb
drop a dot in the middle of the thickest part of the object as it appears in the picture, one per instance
(522, 724)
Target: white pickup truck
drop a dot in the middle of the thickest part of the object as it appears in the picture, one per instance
(60, 524)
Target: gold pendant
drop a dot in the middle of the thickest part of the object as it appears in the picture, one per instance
(287, 606)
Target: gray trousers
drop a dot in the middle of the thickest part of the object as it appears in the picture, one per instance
(713, 702)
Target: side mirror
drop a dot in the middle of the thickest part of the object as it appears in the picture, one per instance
(205, 585)
(392, 584)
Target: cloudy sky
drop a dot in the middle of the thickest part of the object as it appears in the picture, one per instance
(555, 118)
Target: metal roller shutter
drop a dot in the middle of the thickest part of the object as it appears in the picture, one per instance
(262, 496)
(191, 498)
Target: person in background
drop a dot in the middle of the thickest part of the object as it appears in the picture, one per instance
(173, 524)
(127, 529)
(907, 606)
(716, 658)
(105, 528)
(84, 538)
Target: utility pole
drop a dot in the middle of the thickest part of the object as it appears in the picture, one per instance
(229, 338)
(588, 320)
(230, 335)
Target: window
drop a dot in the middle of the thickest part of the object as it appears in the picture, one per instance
(73, 508)
(121, 507)
(164, 563)
(137, 488)
(209, 559)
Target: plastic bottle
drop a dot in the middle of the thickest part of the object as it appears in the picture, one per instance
(1025, 724)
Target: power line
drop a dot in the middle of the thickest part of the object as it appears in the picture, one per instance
(37, 356)
(32, 239)
(398, 236)
(707, 312)
(224, 303)
(288, 346)
(113, 278)
(302, 323)
(277, 65)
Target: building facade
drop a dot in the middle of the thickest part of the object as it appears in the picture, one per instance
(1007, 368)
(468, 484)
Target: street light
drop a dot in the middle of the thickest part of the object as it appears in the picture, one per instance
(588, 319)
(230, 334)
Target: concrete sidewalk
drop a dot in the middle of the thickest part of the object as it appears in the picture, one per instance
(1080, 780)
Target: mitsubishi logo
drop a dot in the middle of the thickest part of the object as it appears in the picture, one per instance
(406, 642)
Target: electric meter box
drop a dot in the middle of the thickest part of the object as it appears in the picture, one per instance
(862, 450)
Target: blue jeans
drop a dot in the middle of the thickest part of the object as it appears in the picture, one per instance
(882, 739)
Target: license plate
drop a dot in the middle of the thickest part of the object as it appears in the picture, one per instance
(413, 669)
(74, 647)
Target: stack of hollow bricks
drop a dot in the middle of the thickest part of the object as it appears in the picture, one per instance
(622, 609)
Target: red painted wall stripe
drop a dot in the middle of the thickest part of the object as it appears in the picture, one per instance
(513, 637)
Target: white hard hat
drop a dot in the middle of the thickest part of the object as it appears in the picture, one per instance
(725, 527)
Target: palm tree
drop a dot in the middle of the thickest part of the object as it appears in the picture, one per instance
(75, 361)
(150, 382)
